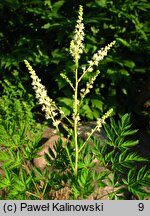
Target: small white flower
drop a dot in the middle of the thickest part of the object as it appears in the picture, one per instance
(78, 102)
(82, 90)
(56, 123)
(90, 69)
(61, 111)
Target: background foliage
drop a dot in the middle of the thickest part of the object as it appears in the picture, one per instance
(41, 30)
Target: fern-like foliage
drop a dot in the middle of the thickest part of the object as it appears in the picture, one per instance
(118, 156)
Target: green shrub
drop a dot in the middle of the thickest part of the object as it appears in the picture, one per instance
(19, 134)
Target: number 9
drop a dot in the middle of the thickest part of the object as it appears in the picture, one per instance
(141, 206)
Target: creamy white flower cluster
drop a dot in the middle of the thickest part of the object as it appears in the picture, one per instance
(101, 121)
(76, 45)
(97, 57)
(67, 80)
(89, 85)
(48, 105)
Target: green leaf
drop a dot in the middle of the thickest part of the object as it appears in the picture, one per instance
(49, 161)
(97, 104)
(128, 132)
(57, 5)
(4, 156)
(67, 102)
(124, 72)
(120, 191)
(131, 176)
(109, 156)
(87, 111)
(125, 181)
(122, 156)
(109, 132)
(38, 171)
(114, 126)
(51, 152)
(125, 120)
(101, 3)
(119, 140)
(114, 158)
(22, 175)
(83, 178)
(141, 173)
(140, 192)
(127, 159)
(128, 63)
(110, 182)
(103, 175)
(129, 143)
(101, 184)
(123, 42)
(7, 173)
(80, 183)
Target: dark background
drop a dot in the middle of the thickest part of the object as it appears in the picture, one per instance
(41, 30)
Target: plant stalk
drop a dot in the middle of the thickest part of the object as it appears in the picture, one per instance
(76, 120)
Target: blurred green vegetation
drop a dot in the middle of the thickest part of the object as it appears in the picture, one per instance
(40, 31)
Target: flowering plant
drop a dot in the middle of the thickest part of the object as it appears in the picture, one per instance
(113, 156)
(105, 168)
(49, 106)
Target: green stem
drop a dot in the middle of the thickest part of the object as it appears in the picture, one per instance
(89, 136)
(70, 158)
(44, 189)
(86, 71)
(76, 119)
(31, 194)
